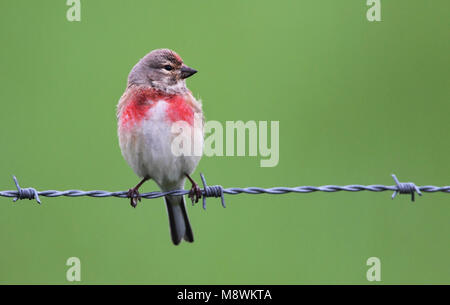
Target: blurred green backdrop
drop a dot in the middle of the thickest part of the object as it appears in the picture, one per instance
(356, 101)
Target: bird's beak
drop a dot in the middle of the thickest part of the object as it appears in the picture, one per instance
(187, 71)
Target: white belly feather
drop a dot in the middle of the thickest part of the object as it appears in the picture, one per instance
(147, 147)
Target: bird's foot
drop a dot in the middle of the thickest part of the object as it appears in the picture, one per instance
(195, 193)
(133, 193)
(134, 196)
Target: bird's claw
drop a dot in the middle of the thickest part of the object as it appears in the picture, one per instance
(195, 193)
(134, 196)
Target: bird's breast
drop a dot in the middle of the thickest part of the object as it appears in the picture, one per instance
(147, 139)
(139, 104)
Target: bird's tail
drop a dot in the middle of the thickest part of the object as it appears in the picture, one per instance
(178, 219)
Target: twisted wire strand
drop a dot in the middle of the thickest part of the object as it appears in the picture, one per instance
(218, 191)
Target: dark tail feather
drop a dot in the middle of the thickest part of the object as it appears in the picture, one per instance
(178, 219)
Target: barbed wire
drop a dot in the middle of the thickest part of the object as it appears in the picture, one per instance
(218, 191)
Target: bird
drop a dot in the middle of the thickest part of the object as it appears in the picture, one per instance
(156, 97)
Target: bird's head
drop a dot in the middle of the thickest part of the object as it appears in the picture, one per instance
(162, 69)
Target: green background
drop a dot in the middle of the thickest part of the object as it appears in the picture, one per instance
(356, 101)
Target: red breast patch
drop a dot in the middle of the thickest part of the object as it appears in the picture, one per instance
(142, 100)
(179, 110)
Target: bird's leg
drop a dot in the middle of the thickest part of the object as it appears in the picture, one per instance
(133, 193)
(195, 193)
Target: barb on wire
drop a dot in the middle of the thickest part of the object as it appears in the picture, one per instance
(27, 193)
(218, 191)
(211, 191)
(405, 188)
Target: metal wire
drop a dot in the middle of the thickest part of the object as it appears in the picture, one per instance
(218, 191)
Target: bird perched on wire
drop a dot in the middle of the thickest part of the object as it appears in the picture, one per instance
(155, 99)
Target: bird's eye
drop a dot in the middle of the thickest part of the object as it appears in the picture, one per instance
(168, 67)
